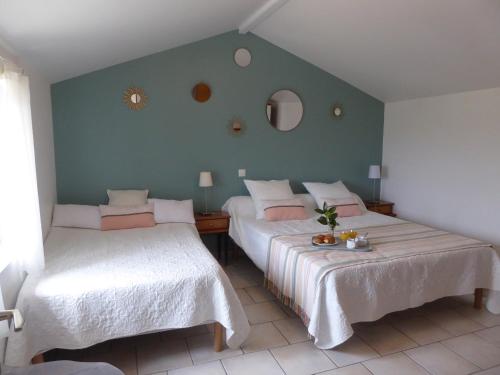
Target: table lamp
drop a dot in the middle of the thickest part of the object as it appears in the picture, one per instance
(206, 182)
(374, 175)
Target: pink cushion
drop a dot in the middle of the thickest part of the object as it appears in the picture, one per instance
(113, 218)
(284, 209)
(345, 207)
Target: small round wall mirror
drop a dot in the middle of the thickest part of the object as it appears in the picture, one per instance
(337, 111)
(242, 57)
(201, 92)
(135, 98)
(284, 110)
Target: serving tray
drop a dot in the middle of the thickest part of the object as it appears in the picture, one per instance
(342, 246)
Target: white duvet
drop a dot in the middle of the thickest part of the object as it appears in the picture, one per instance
(103, 285)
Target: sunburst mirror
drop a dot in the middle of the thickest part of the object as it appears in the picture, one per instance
(135, 98)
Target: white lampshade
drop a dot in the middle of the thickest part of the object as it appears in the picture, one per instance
(374, 172)
(206, 179)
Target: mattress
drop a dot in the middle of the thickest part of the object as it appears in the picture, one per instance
(104, 285)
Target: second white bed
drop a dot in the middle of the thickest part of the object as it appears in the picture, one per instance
(103, 285)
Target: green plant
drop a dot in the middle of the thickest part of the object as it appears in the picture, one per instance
(328, 216)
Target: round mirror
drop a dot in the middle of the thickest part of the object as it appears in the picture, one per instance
(136, 98)
(242, 57)
(337, 111)
(284, 110)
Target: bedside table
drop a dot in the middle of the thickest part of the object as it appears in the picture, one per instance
(215, 223)
(382, 207)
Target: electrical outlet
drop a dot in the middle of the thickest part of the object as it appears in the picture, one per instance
(242, 172)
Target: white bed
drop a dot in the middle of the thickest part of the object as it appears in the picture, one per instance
(368, 291)
(103, 285)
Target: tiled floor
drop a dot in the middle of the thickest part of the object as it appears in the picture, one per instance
(443, 337)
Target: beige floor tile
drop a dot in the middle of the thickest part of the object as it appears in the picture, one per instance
(384, 338)
(357, 369)
(490, 334)
(260, 294)
(122, 357)
(246, 279)
(453, 322)
(168, 355)
(302, 359)
(210, 368)
(475, 349)
(293, 329)
(245, 299)
(491, 371)
(352, 351)
(259, 363)
(482, 316)
(439, 360)
(395, 364)
(421, 330)
(264, 312)
(202, 349)
(263, 336)
(182, 333)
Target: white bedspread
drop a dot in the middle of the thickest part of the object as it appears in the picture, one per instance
(371, 292)
(103, 285)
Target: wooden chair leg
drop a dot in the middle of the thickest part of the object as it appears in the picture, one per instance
(37, 359)
(218, 337)
(478, 298)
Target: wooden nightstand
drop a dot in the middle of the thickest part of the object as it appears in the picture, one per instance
(215, 223)
(382, 207)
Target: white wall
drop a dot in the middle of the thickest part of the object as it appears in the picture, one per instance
(41, 112)
(441, 157)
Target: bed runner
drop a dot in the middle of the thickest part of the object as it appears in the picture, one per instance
(296, 269)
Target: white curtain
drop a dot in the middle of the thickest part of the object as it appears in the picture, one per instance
(20, 227)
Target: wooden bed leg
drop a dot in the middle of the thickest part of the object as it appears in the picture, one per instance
(37, 359)
(218, 337)
(478, 298)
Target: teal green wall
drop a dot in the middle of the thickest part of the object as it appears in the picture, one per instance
(102, 144)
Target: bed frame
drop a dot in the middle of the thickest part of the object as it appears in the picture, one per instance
(219, 332)
(219, 329)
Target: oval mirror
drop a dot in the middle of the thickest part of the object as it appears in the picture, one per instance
(242, 57)
(284, 110)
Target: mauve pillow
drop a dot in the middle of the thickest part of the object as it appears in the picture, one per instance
(284, 209)
(345, 207)
(113, 218)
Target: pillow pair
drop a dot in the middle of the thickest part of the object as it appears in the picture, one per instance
(274, 200)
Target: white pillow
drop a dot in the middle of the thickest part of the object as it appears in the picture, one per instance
(76, 216)
(267, 190)
(121, 198)
(320, 191)
(360, 202)
(240, 206)
(171, 211)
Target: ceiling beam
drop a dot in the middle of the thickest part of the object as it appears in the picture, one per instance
(266, 10)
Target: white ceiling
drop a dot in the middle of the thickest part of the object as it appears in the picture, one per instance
(391, 49)
(66, 38)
